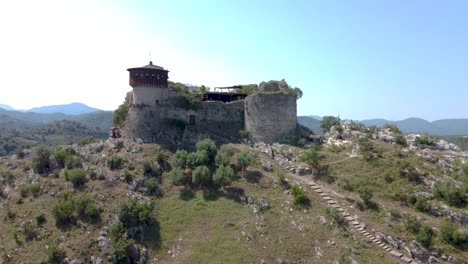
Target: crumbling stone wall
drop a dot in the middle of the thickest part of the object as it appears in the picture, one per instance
(270, 117)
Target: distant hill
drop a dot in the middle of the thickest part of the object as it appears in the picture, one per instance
(6, 107)
(444, 127)
(311, 123)
(68, 109)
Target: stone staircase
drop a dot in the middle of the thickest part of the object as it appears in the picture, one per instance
(353, 223)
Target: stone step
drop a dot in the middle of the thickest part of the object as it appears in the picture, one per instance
(341, 210)
(349, 218)
(388, 249)
(327, 198)
(396, 254)
(406, 259)
(324, 195)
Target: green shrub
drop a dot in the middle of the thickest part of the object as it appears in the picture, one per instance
(29, 231)
(209, 147)
(114, 162)
(147, 168)
(198, 158)
(400, 140)
(424, 139)
(200, 175)
(134, 213)
(337, 217)
(128, 177)
(41, 160)
(425, 236)
(223, 175)
(120, 114)
(63, 211)
(393, 128)
(86, 207)
(345, 185)
(24, 189)
(54, 254)
(328, 122)
(244, 159)
(179, 160)
(422, 204)
(411, 224)
(121, 250)
(66, 158)
(312, 157)
(223, 157)
(35, 189)
(450, 235)
(244, 133)
(281, 178)
(298, 194)
(366, 196)
(76, 176)
(178, 177)
(453, 195)
(152, 186)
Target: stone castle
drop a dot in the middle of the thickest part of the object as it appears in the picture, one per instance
(159, 114)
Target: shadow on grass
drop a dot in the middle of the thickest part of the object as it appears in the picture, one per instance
(186, 194)
(303, 203)
(253, 176)
(153, 235)
(211, 194)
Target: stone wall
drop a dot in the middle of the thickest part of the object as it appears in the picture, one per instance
(170, 124)
(270, 117)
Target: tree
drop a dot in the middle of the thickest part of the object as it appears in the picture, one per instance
(179, 160)
(120, 115)
(76, 176)
(209, 146)
(178, 177)
(201, 175)
(41, 160)
(224, 155)
(312, 157)
(244, 159)
(223, 175)
(328, 122)
(425, 235)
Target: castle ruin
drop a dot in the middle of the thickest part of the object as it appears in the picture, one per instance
(159, 114)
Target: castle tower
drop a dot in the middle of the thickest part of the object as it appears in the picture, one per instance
(149, 85)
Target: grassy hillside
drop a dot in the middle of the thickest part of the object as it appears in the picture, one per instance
(252, 220)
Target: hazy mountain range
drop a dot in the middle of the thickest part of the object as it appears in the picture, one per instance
(68, 109)
(443, 127)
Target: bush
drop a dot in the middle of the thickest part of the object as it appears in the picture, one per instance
(450, 235)
(424, 140)
(114, 162)
(35, 189)
(345, 185)
(244, 133)
(223, 175)
(152, 186)
(337, 217)
(63, 211)
(366, 196)
(223, 157)
(121, 249)
(244, 159)
(452, 194)
(198, 158)
(147, 168)
(209, 147)
(65, 157)
(422, 204)
(178, 177)
(393, 128)
(312, 157)
(281, 178)
(411, 224)
(200, 175)
(54, 254)
(76, 176)
(328, 122)
(128, 177)
(86, 207)
(400, 140)
(29, 231)
(425, 236)
(24, 189)
(298, 194)
(179, 160)
(120, 114)
(134, 213)
(41, 160)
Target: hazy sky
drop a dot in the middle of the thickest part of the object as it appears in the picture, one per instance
(355, 58)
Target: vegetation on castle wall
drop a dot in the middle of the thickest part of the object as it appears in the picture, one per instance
(120, 114)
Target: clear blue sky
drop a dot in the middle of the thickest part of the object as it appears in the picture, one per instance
(357, 59)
